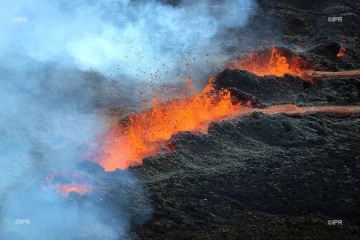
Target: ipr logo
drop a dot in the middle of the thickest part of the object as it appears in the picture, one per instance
(22, 221)
(335, 222)
(334, 19)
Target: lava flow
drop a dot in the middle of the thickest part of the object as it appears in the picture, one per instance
(293, 109)
(268, 63)
(146, 132)
(65, 182)
(143, 134)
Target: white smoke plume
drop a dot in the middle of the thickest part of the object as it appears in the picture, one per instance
(134, 38)
(55, 56)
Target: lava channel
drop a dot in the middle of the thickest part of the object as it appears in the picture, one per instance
(144, 134)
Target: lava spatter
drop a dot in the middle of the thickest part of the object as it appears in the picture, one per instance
(143, 134)
(272, 62)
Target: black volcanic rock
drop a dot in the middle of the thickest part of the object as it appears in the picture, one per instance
(270, 176)
(273, 176)
(267, 89)
(271, 90)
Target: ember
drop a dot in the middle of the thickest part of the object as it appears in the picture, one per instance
(341, 53)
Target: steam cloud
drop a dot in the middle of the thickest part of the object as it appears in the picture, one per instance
(51, 68)
(134, 38)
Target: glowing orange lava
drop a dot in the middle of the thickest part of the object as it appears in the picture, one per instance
(143, 134)
(148, 131)
(264, 63)
(65, 189)
(65, 182)
(293, 109)
(341, 52)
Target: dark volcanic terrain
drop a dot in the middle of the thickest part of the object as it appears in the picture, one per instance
(257, 176)
(270, 176)
(279, 177)
(254, 176)
(260, 177)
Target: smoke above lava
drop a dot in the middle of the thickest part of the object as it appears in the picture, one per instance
(56, 70)
(133, 39)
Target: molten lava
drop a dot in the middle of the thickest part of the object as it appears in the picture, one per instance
(65, 189)
(65, 182)
(341, 52)
(293, 109)
(144, 134)
(265, 63)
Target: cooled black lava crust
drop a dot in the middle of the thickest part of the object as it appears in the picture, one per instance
(269, 176)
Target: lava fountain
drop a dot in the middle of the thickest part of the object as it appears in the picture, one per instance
(147, 132)
(274, 61)
(143, 134)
